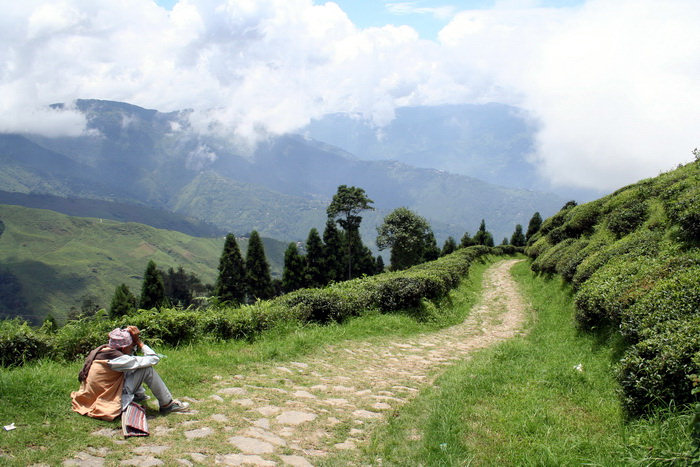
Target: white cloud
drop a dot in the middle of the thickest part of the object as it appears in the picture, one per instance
(614, 83)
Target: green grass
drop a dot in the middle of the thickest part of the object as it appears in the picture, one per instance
(525, 402)
(36, 397)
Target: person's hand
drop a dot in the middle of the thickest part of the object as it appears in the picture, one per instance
(135, 333)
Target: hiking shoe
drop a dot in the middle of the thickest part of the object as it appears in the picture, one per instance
(174, 406)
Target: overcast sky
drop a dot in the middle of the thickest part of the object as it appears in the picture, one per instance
(613, 84)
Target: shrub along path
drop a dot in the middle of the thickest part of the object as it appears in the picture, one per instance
(320, 407)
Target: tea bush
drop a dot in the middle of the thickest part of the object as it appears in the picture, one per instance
(675, 297)
(19, 343)
(654, 372)
(611, 290)
(634, 262)
(627, 217)
(171, 326)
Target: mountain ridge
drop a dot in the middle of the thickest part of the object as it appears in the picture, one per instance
(142, 156)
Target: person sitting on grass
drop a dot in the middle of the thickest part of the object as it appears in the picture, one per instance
(112, 378)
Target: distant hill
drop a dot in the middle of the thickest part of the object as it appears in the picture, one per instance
(116, 211)
(50, 261)
(145, 157)
(490, 142)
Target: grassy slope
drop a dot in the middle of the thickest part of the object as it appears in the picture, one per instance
(36, 396)
(59, 259)
(525, 402)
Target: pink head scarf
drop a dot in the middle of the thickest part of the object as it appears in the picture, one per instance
(120, 338)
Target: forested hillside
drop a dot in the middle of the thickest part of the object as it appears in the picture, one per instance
(51, 262)
(634, 260)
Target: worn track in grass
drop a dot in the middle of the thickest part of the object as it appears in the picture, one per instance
(300, 412)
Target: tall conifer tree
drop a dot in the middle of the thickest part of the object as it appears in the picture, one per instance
(258, 281)
(466, 240)
(123, 302)
(293, 274)
(518, 238)
(315, 274)
(534, 226)
(333, 253)
(483, 236)
(153, 290)
(449, 247)
(231, 282)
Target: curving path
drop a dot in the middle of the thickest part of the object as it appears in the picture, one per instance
(303, 411)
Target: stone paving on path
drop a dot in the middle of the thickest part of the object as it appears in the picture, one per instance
(300, 412)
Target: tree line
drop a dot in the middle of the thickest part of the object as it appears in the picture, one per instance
(339, 254)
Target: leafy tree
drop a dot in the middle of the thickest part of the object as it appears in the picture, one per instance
(346, 205)
(315, 274)
(294, 270)
(483, 236)
(123, 302)
(231, 281)
(449, 246)
(518, 238)
(406, 233)
(504, 241)
(432, 251)
(258, 281)
(379, 265)
(534, 226)
(181, 286)
(466, 240)
(152, 290)
(333, 247)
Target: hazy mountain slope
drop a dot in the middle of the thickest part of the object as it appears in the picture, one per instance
(122, 212)
(146, 157)
(490, 142)
(58, 259)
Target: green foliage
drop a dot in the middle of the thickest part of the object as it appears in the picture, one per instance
(518, 238)
(408, 236)
(633, 258)
(547, 262)
(347, 203)
(333, 253)
(654, 372)
(294, 269)
(626, 218)
(19, 343)
(675, 296)
(257, 270)
(483, 236)
(684, 209)
(123, 302)
(533, 226)
(181, 287)
(152, 290)
(315, 274)
(166, 325)
(230, 283)
(466, 240)
(448, 247)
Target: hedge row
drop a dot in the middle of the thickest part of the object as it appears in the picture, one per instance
(386, 292)
(633, 258)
